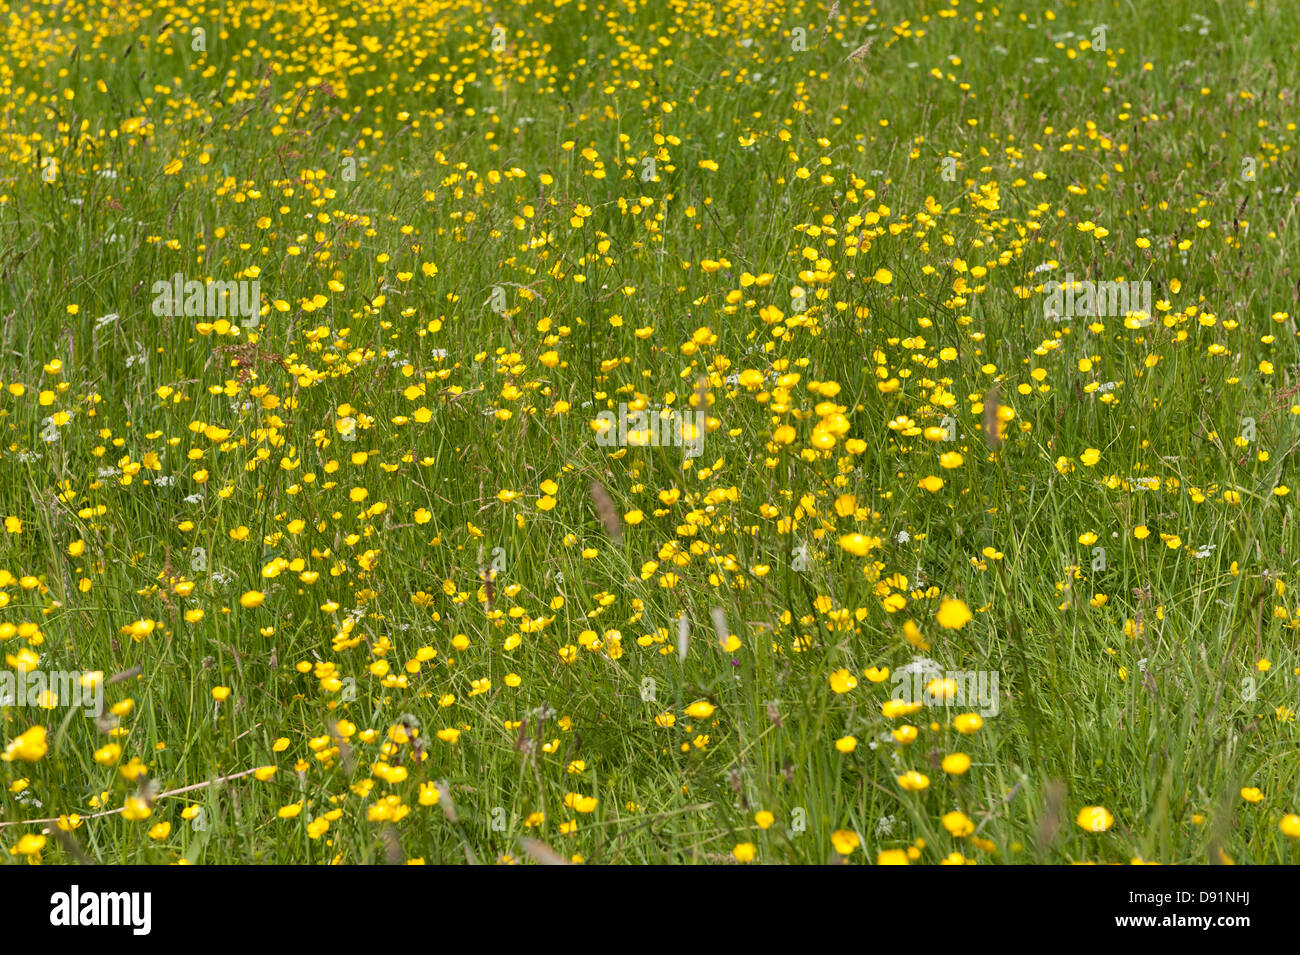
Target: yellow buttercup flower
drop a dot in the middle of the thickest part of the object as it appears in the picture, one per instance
(744, 852)
(913, 782)
(958, 824)
(968, 723)
(580, 803)
(845, 841)
(28, 747)
(953, 614)
(1095, 818)
(955, 764)
(30, 844)
(842, 681)
(859, 545)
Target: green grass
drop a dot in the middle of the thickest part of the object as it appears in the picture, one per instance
(1138, 685)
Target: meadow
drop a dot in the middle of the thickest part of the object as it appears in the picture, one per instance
(649, 432)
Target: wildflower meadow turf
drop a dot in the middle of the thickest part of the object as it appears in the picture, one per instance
(649, 432)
